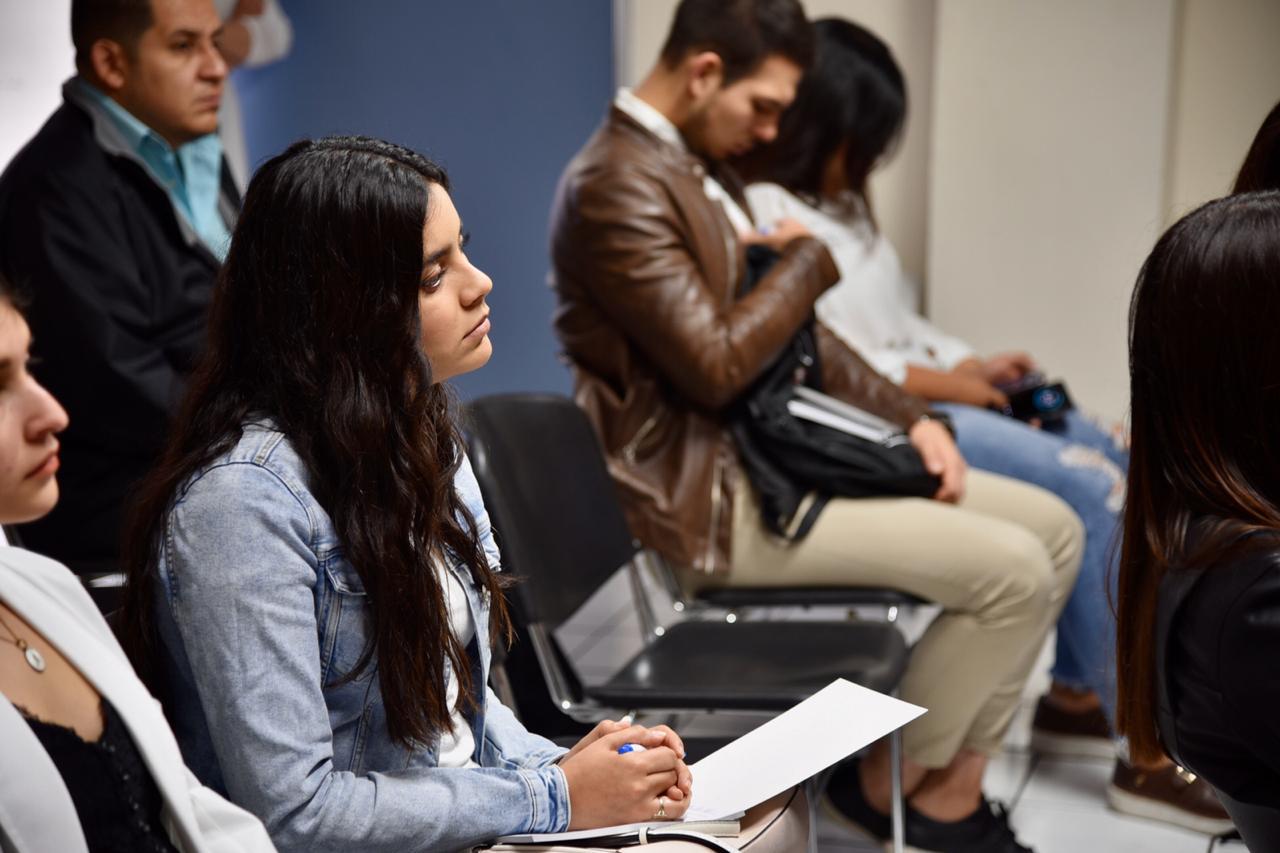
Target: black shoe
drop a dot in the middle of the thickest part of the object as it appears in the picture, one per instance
(847, 807)
(987, 830)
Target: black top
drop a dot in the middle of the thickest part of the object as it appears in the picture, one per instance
(114, 794)
(1221, 634)
(118, 303)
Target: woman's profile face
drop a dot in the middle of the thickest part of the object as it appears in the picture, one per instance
(29, 420)
(454, 316)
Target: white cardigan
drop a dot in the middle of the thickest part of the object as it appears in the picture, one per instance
(36, 812)
(873, 306)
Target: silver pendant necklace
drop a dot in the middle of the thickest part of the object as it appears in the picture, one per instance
(35, 660)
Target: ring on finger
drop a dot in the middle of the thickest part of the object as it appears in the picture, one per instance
(662, 808)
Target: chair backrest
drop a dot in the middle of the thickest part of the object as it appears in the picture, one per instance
(551, 500)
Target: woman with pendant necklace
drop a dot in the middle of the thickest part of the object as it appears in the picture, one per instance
(87, 762)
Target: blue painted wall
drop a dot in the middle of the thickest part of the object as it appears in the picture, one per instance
(501, 92)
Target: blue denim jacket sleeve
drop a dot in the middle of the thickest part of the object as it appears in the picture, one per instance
(241, 574)
(507, 743)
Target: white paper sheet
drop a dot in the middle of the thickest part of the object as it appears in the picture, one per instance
(830, 725)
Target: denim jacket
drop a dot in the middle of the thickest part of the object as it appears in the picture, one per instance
(260, 615)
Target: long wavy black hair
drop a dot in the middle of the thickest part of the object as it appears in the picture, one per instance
(1204, 467)
(853, 95)
(315, 324)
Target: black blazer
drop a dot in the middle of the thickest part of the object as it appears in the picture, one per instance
(1218, 666)
(119, 294)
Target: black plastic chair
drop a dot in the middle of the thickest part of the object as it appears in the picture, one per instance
(562, 533)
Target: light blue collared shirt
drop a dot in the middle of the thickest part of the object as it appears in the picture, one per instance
(191, 175)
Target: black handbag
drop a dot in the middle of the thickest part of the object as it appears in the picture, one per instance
(795, 441)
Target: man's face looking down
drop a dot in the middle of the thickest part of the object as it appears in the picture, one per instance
(728, 121)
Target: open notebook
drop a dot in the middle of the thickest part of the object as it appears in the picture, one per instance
(830, 725)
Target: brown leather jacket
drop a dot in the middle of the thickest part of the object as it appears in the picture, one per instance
(646, 269)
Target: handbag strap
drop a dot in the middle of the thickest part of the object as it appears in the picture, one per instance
(809, 519)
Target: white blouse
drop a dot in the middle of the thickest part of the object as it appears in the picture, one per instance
(36, 811)
(872, 307)
(458, 745)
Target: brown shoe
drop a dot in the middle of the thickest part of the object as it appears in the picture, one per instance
(1058, 732)
(1171, 794)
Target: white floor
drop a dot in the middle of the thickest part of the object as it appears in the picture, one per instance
(1057, 805)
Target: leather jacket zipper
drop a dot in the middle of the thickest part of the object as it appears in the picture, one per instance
(716, 500)
(630, 448)
(730, 292)
(731, 255)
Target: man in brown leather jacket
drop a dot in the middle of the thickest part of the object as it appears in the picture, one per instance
(648, 239)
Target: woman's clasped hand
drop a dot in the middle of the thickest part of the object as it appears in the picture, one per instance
(607, 787)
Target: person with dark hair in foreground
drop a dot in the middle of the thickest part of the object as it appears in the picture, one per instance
(114, 219)
(1199, 583)
(313, 582)
(649, 230)
(89, 763)
(848, 115)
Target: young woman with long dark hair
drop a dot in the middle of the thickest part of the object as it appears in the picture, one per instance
(314, 583)
(848, 114)
(1199, 580)
(87, 762)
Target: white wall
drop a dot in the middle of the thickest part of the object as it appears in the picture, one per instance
(1047, 178)
(36, 57)
(1226, 80)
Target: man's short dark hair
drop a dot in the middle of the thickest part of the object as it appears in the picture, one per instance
(122, 21)
(742, 32)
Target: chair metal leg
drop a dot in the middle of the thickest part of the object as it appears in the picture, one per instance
(895, 782)
(649, 625)
(664, 578)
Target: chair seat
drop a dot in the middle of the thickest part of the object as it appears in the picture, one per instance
(841, 596)
(764, 666)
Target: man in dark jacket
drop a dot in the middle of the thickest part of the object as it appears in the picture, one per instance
(114, 219)
(648, 235)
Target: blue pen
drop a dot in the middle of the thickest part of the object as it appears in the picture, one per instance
(630, 747)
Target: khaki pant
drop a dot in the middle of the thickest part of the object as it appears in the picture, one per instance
(1001, 565)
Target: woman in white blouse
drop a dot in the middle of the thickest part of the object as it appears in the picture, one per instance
(87, 761)
(848, 114)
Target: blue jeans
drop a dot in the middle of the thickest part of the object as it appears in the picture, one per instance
(1078, 461)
